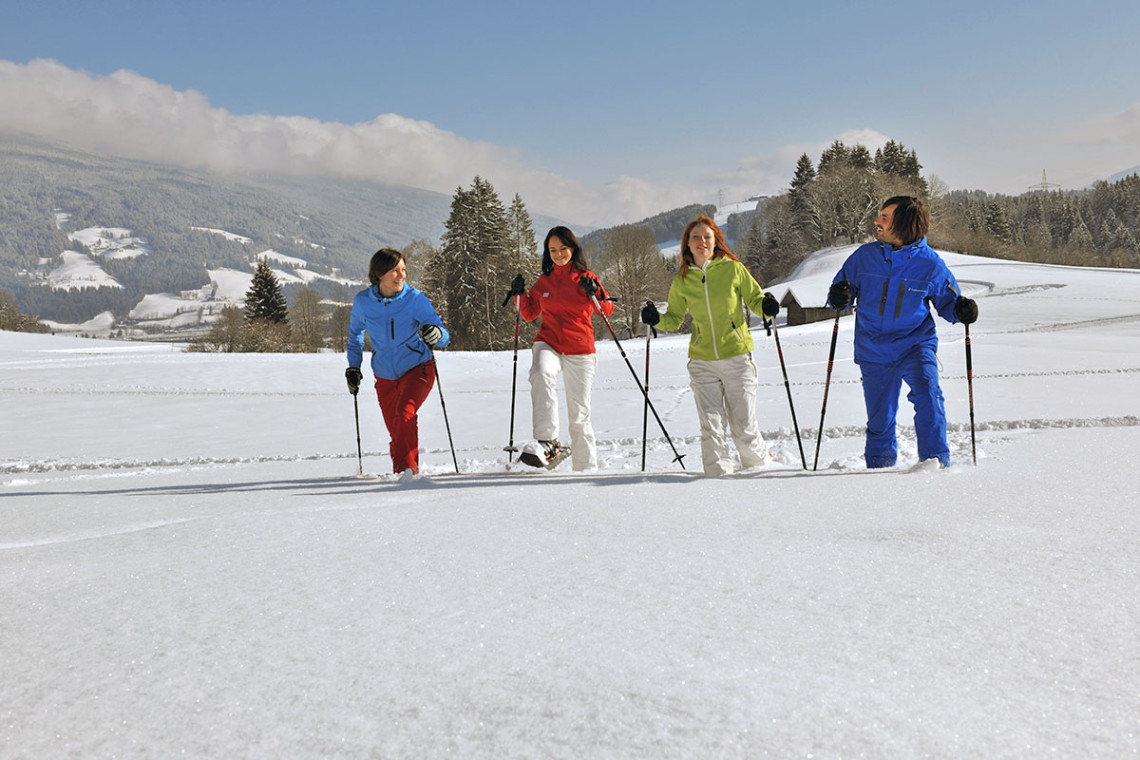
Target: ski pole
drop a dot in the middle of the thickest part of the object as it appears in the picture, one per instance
(826, 385)
(359, 451)
(970, 385)
(677, 457)
(442, 403)
(650, 330)
(788, 388)
(510, 449)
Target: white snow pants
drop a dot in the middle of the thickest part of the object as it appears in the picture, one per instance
(578, 377)
(725, 392)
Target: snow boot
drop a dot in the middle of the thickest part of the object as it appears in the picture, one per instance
(548, 454)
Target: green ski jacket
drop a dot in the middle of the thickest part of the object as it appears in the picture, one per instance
(716, 298)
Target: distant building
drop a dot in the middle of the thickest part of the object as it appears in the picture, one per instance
(801, 314)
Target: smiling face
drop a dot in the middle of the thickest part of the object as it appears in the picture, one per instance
(392, 281)
(702, 244)
(884, 227)
(560, 253)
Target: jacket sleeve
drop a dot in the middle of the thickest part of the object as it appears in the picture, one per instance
(850, 273)
(530, 307)
(355, 353)
(429, 316)
(674, 315)
(603, 296)
(944, 294)
(750, 290)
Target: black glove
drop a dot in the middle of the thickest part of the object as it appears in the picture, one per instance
(649, 314)
(518, 288)
(966, 310)
(353, 376)
(430, 334)
(840, 295)
(589, 285)
(770, 306)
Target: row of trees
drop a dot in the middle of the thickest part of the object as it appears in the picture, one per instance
(1097, 227)
(834, 202)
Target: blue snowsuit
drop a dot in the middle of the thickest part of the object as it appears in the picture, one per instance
(393, 324)
(895, 341)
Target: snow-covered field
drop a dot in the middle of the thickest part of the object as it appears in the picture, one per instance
(190, 568)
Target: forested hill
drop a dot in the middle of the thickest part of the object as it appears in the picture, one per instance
(49, 192)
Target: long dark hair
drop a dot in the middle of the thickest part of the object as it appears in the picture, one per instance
(911, 220)
(383, 262)
(720, 245)
(577, 258)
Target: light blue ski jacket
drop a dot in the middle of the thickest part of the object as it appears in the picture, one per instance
(393, 325)
(893, 290)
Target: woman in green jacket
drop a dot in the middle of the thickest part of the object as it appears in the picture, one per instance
(713, 285)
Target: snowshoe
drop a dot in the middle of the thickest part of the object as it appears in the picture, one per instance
(548, 454)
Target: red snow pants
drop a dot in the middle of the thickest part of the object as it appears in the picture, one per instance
(400, 402)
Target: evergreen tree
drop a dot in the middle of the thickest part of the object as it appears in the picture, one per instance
(891, 159)
(860, 158)
(521, 243)
(472, 270)
(995, 222)
(12, 320)
(836, 155)
(264, 300)
(799, 195)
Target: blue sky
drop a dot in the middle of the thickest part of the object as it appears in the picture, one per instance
(593, 111)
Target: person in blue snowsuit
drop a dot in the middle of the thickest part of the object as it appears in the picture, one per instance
(403, 327)
(893, 283)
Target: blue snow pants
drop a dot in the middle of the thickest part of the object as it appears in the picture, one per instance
(882, 384)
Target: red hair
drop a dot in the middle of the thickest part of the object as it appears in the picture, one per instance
(720, 246)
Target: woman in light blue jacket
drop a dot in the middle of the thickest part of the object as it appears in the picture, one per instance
(403, 327)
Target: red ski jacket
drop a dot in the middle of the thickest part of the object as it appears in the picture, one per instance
(565, 309)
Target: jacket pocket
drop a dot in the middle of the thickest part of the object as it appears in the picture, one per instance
(911, 299)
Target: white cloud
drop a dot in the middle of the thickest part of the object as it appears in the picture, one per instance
(129, 115)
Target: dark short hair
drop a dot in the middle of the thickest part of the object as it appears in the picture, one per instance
(383, 262)
(577, 258)
(911, 220)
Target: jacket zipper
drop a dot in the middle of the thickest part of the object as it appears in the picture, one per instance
(898, 306)
(708, 308)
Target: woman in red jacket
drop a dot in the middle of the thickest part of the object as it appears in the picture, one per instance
(564, 297)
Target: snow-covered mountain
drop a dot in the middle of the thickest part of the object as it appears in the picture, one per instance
(86, 233)
(190, 567)
(1121, 175)
(171, 314)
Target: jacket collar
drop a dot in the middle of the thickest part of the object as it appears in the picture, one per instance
(402, 294)
(907, 250)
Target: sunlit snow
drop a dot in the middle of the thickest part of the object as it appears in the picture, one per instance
(190, 566)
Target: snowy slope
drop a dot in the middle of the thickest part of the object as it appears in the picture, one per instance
(188, 566)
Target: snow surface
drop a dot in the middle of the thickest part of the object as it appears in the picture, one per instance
(232, 236)
(292, 261)
(190, 567)
(77, 271)
(111, 242)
